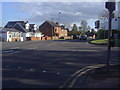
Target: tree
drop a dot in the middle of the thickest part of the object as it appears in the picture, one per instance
(89, 28)
(92, 30)
(104, 15)
(84, 26)
(74, 30)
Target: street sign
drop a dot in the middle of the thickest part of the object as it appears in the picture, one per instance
(110, 5)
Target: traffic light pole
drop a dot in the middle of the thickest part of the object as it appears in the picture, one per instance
(109, 40)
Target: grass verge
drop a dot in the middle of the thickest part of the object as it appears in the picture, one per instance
(104, 42)
(100, 41)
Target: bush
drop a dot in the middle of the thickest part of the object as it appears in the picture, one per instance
(102, 34)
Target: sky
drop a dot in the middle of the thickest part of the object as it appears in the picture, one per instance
(38, 12)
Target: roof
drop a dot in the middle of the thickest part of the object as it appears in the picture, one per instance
(38, 31)
(53, 24)
(20, 28)
(19, 25)
(10, 24)
(9, 29)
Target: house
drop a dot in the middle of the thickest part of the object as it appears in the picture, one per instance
(90, 35)
(28, 30)
(10, 34)
(51, 29)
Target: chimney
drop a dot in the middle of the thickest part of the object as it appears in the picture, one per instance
(56, 22)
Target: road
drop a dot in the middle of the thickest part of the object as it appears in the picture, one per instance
(48, 64)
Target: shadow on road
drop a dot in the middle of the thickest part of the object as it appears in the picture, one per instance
(45, 68)
(74, 40)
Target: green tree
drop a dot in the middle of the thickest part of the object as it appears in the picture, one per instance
(74, 30)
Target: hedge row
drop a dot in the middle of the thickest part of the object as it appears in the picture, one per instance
(102, 34)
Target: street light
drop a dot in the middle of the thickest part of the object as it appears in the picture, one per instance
(110, 5)
(59, 16)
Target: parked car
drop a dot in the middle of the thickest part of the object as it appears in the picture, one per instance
(83, 37)
(89, 38)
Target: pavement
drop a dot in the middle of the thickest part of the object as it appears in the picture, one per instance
(100, 77)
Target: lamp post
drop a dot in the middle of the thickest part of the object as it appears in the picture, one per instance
(59, 16)
(110, 5)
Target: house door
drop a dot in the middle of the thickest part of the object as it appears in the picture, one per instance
(10, 38)
(21, 38)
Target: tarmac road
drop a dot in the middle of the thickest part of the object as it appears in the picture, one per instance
(48, 64)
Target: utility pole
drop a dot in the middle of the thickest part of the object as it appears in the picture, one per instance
(110, 5)
(59, 16)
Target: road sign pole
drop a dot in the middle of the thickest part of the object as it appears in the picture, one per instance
(109, 40)
(110, 5)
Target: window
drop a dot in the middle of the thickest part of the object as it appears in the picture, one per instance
(115, 19)
(9, 36)
(55, 29)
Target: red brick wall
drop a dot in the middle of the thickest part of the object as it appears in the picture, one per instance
(55, 37)
(43, 38)
(15, 39)
(46, 38)
(49, 38)
(68, 37)
(35, 38)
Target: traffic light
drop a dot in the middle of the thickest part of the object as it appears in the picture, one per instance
(97, 24)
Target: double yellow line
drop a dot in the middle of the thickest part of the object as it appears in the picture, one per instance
(73, 78)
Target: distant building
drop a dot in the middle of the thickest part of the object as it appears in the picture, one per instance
(10, 34)
(50, 29)
(91, 35)
(27, 30)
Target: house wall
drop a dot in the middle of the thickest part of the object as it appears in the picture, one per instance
(37, 34)
(24, 36)
(46, 29)
(61, 31)
(29, 34)
(3, 36)
(9, 36)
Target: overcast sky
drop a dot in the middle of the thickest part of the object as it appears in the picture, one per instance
(38, 12)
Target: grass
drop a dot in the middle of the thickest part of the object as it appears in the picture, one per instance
(62, 39)
(100, 41)
(104, 41)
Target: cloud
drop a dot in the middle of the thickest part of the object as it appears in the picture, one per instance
(55, 0)
(70, 11)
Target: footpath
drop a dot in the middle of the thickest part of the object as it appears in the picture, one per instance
(100, 78)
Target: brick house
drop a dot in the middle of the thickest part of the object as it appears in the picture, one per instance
(51, 29)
